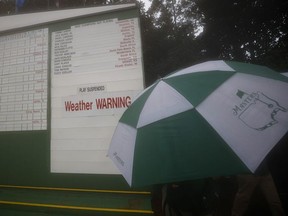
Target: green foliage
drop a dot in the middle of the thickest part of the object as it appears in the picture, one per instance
(242, 30)
(169, 42)
(6, 7)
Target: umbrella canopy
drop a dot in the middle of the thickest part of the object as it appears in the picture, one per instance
(211, 119)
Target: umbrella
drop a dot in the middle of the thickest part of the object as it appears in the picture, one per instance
(211, 119)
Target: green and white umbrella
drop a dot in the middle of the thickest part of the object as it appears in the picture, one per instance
(211, 119)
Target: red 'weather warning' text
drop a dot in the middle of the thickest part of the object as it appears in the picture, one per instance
(98, 104)
(113, 102)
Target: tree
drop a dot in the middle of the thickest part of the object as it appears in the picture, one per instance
(244, 30)
(7, 7)
(169, 40)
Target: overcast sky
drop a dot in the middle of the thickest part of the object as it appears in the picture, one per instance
(147, 3)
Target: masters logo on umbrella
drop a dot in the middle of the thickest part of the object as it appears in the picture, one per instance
(262, 104)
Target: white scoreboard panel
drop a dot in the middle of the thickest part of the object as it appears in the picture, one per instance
(96, 71)
(23, 81)
(66, 78)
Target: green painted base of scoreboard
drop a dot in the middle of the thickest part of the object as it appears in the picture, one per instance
(19, 200)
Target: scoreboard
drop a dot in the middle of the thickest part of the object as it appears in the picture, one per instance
(65, 80)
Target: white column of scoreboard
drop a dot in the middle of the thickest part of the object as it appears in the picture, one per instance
(23, 81)
(96, 71)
